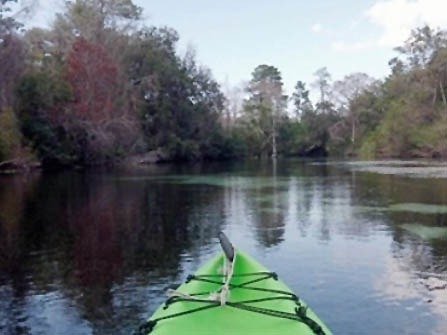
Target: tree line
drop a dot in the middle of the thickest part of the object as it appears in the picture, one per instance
(403, 115)
(98, 85)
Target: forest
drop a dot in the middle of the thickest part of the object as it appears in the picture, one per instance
(98, 86)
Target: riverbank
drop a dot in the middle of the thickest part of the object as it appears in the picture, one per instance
(15, 166)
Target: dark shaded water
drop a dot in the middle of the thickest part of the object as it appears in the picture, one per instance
(94, 253)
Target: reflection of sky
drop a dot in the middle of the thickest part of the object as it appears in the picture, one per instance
(328, 233)
(42, 311)
(326, 226)
(401, 288)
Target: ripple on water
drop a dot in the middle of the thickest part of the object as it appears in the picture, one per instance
(95, 254)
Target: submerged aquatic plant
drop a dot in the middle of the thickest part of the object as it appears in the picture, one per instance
(216, 180)
(418, 208)
(426, 232)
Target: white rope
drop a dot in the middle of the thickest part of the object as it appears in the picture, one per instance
(228, 269)
(173, 293)
(228, 273)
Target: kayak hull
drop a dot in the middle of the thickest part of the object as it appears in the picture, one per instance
(229, 320)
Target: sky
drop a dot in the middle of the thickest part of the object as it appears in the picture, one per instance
(232, 37)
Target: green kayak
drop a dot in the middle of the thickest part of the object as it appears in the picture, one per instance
(232, 294)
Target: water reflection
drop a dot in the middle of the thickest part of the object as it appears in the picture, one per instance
(86, 253)
(91, 243)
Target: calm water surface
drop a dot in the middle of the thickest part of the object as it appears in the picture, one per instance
(365, 244)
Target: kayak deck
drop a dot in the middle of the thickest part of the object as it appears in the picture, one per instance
(258, 303)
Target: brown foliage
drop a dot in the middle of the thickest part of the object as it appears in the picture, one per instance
(101, 105)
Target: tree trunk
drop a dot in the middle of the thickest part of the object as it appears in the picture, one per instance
(274, 137)
(435, 97)
(323, 101)
(443, 94)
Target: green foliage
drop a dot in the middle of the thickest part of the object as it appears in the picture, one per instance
(263, 72)
(422, 44)
(263, 110)
(293, 138)
(431, 140)
(180, 102)
(236, 145)
(405, 116)
(40, 96)
(301, 99)
(368, 148)
(99, 86)
(39, 92)
(173, 101)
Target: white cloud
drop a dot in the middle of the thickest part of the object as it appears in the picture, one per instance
(397, 18)
(317, 27)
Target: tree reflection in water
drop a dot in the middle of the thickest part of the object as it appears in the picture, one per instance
(85, 253)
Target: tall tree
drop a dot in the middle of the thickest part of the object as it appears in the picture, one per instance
(180, 102)
(12, 58)
(96, 108)
(301, 99)
(397, 66)
(12, 53)
(323, 84)
(438, 70)
(7, 22)
(420, 47)
(104, 22)
(346, 90)
(92, 19)
(425, 48)
(93, 77)
(266, 103)
(234, 97)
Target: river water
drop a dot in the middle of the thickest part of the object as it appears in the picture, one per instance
(364, 243)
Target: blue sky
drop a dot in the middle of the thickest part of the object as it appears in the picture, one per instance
(233, 37)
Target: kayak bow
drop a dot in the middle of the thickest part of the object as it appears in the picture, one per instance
(233, 294)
